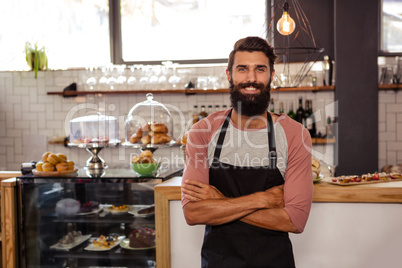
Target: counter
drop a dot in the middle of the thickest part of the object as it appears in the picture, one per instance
(349, 226)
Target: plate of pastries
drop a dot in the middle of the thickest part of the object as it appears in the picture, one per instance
(151, 133)
(54, 164)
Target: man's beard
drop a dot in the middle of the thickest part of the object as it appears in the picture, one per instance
(250, 104)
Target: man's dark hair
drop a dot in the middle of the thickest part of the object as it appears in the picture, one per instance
(250, 44)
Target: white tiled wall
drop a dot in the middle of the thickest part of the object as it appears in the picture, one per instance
(29, 118)
(390, 127)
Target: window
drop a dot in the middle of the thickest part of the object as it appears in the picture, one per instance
(391, 27)
(193, 31)
(75, 33)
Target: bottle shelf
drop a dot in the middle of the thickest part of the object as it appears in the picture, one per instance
(390, 87)
(317, 141)
(181, 91)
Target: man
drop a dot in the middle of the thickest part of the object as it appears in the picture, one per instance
(248, 171)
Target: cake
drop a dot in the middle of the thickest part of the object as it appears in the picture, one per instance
(142, 238)
(89, 206)
(94, 129)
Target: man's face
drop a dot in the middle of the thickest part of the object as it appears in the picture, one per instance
(250, 83)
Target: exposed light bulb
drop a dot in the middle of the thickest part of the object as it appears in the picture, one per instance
(286, 25)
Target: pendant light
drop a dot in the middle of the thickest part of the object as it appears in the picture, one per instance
(286, 25)
(293, 41)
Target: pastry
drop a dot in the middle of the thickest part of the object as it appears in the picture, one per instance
(47, 167)
(146, 127)
(135, 138)
(146, 139)
(146, 153)
(62, 157)
(61, 166)
(159, 128)
(159, 138)
(89, 206)
(70, 165)
(53, 159)
(38, 166)
(45, 155)
(142, 238)
(184, 138)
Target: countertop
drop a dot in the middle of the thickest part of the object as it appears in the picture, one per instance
(385, 192)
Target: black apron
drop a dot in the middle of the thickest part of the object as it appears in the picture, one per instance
(238, 244)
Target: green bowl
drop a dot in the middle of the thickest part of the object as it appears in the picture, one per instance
(145, 169)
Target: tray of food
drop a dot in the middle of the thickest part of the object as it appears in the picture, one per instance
(54, 165)
(140, 239)
(368, 178)
(142, 210)
(104, 242)
(71, 240)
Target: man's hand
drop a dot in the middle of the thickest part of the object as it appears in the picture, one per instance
(274, 197)
(196, 191)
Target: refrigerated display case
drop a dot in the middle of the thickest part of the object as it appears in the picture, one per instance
(59, 218)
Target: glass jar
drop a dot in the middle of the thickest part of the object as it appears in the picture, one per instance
(149, 122)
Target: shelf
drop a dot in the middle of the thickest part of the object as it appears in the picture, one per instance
(390, 87)
(182, 91)
(322, 141)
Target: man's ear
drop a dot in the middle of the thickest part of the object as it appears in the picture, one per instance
(228, 75)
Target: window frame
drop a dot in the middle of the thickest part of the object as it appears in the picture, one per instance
(116, 51)
(382, 52)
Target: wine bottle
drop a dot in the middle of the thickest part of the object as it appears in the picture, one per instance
(300, 112)
(310, 119)
(281, 110)
(291, 112)
(203, 113)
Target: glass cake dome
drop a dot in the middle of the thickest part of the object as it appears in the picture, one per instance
(149, 123)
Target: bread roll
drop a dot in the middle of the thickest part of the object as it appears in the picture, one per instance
(146, 128)
(53, 159)
(160, 138)
(146, 139)
(47, 167)
(38, 166)
(135, 138)
(147, 153)
(159, 128)
(62, 166)
(45, 156)
(70, 165)
(63, 157)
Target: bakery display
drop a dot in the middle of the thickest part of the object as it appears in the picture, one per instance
(149, 123)
(94, 129)
(142, 238)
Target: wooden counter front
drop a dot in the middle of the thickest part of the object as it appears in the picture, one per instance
(388, 192)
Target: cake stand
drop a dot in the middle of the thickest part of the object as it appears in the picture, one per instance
(95, 162)
(150, 147)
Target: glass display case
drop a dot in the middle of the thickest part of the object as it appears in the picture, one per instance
(87, 221)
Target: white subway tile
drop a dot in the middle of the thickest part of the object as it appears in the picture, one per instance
(391, 121)
(387, 136)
